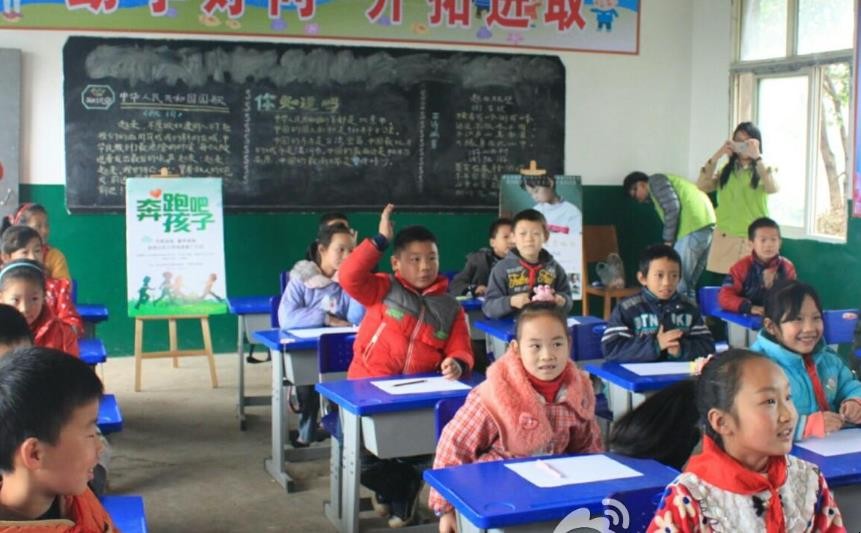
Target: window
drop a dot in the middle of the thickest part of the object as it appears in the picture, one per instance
(792, 78)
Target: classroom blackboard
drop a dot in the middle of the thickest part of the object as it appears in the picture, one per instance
(300, 127)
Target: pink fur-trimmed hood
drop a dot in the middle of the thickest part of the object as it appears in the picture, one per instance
(519, 411)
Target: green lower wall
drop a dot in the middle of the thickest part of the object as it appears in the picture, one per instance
(259, 246)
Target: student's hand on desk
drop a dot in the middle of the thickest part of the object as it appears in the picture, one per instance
(670, 340)
(757, 310)
(387, 228)
(333, 321)
(448, 523)
(480, 290)
(851, 411)
(519, 300)
(833, 422)
(450, 368)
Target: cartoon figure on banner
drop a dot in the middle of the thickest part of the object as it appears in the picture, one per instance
(605, 13)
(143, 292)
(176, 289)
(165, 289)
(207, 289)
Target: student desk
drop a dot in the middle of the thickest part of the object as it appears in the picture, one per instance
(498, 332)
(627, 389)
(295, 360)
(843, 474)
(490, 496)
(472, 308)
(741, 330)
(388, 425)
(252, 314)
(91, 314)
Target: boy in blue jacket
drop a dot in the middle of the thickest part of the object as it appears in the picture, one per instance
(658, 324)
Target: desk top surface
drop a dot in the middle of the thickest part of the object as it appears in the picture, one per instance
(362, 398)
(747, 321)
(515, 500)
(617, 374)
(249, 305)
(278, 339)
(839, 470)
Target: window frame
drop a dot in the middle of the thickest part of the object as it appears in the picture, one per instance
(809, 65)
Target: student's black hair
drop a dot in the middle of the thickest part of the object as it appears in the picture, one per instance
(718, 385)
(496, 224)
(536, 309)
(658, 251)
(22, 269)
(784, 299)
(665, 427)
(538, 181)
(409, 235)
(530, 215)
(16, 237)
(13, 327)
(325, 235)
(632, 179)
(22, 216)
(40, 389)
(326, 218)
(753, 132)
(761, 222)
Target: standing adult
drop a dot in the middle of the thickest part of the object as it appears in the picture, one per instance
(743, 185)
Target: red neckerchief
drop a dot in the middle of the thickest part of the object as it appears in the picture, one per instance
(548, 389)
(717, 468)
(810, 367)
(532, 269)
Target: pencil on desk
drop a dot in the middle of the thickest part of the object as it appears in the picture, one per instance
(409, 383)
(549, 469)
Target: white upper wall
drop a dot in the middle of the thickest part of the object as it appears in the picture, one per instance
(664, 110)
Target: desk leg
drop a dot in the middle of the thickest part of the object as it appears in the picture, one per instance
(618, 400)
(847, 498)
(736, 335)
(275, 464)
(332, 508)
(240, 351)
(352, 467)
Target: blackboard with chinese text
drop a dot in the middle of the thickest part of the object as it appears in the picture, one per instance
(301, 127)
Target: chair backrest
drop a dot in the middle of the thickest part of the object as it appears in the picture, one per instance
(840, 325)
(274, 303)
(449, 274)
(707, 298)
(445, 410)
(334, 355)
(283, 280)
(640, 505)
(598, 243)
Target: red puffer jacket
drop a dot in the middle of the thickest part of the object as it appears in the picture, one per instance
(405, 331)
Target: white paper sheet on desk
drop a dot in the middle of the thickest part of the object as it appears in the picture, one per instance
(659, 369)
(313, 333)
(841, 442)
(573, 322)
(421, 385)
(574, 470)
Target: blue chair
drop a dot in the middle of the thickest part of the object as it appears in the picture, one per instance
(334, 355)
(707, 298)
(274, 303)
(283, 280)
(840, 325)
(110, 418)
(127, 512)
(639, 504)
(92, 351)
(445, 410)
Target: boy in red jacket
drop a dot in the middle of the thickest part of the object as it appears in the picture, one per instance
(411, 325)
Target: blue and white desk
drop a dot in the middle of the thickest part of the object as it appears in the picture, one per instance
(628, 389)
(388, 425)
(295, 360)
(498, 332)
(490, 496)
(472, 308)
(843, 474)
(252, 314)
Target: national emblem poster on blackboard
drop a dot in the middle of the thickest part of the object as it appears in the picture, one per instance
(560, 200)
(175, 247)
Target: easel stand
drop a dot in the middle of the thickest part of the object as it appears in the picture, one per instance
(173, 351)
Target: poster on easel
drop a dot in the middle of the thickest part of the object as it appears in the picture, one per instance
(175, 247)
(560, 200)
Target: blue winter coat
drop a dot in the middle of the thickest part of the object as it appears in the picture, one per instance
(305, 303)
(837, 379)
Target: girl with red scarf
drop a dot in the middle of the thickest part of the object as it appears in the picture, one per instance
(534, 402)
(36, 216)
(22, 285)
(744, 480)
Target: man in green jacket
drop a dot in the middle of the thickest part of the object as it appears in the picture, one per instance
(688, 217)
